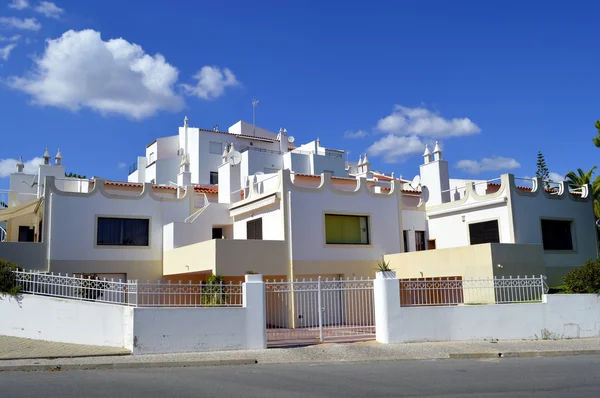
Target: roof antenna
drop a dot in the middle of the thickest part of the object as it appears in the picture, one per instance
(216, 127)
(254, 103)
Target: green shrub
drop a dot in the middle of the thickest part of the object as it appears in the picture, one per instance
(8, 278)
(92, 287)
(213, 292)
(584, 279)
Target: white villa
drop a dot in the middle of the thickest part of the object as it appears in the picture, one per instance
(206, 201)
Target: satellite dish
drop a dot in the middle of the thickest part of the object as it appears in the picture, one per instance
(291, 139)
(234, 158)
(416, 182)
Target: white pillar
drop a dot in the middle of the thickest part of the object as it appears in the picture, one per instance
(387, 305)
(255, 307)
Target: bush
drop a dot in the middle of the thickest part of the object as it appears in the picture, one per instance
(8, 278)
(213, 292)
(584, 279)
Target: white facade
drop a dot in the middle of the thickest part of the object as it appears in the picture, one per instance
(281, 194)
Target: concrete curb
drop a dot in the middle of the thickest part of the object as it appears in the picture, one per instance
(117, 354)
(523, 354)
(125, 365)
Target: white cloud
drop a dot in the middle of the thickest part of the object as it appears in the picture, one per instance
(355, 134)
(420, 121)
(80, 70)
(487, 164)
(9, 166)
(5, 51)
(122, 165)
(49, 9)
(556, 177)
(10, 38)
(18, 23)
(19, 4)
(211, 82)
(395, 149)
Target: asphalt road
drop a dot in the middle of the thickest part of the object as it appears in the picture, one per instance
(518, 377)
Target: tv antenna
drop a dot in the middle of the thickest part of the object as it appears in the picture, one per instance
(254, 103)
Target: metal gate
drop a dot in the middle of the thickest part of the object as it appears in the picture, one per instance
(313, 311)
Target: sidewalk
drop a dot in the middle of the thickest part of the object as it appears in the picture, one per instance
(18, 348)
(350, 352)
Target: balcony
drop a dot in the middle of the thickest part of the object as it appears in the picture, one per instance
(133, 168)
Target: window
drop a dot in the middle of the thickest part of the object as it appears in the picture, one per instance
(214, 177)
(217, 233)
(151, 158)
(484, 232)
(215, 148)
(406, 248)
(26, 234)
(556, 235)
(420, 240)
(254, 229)
(346, 230)
(123, 232)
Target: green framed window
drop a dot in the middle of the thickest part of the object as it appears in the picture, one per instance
(346, 229)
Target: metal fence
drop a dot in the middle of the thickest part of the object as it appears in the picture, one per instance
(161, 294)
(130, 293)
(319, 310)
(444, 291)
(86, 288)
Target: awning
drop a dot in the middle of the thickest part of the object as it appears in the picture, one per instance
(20, 210)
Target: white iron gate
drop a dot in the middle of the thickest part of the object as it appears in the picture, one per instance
(320, 310)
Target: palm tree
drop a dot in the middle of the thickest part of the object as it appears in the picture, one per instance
(581, 178)
(597, 139)
(576, 180)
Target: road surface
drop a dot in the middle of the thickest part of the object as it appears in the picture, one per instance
(517, 377)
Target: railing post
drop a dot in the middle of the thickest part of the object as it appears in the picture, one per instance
(319, 303)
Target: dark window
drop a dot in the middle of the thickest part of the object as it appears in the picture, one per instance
(40, 230)
(346, 230)
(214, 178)
(556, 235)
(420, 240)
(406, 248)
(254, 229)
(217, 233)
(484, 232)
(123, 231)
(26, 234)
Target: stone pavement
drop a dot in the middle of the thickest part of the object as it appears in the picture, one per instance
(349, 352)
(18, 348)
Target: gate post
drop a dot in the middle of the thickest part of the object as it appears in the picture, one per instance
(256, 318)
(320, 306)
(387, 304)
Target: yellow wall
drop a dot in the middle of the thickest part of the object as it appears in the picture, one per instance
(228, 257)
(477, 261)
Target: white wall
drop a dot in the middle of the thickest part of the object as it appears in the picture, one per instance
(67, 321)
(308, 232)
(334, 163)
(162, 330)
(298, 162)
(529, 210)
(560, 316)
(73, 225)
(181, 234)
(450, 231)
(272, 222)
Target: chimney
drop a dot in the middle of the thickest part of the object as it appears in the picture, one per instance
(58, 158)
(20, 165)
(46, 157)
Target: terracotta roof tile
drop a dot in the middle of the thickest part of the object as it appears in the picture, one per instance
(206, 189)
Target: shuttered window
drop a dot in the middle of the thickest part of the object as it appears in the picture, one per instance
(254, 229)
(484, 232)
(346, 230)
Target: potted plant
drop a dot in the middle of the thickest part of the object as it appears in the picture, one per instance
(384, 271)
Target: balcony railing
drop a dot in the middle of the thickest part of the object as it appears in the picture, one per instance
(133, 168)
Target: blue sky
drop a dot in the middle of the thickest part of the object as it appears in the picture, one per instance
(494, 81)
